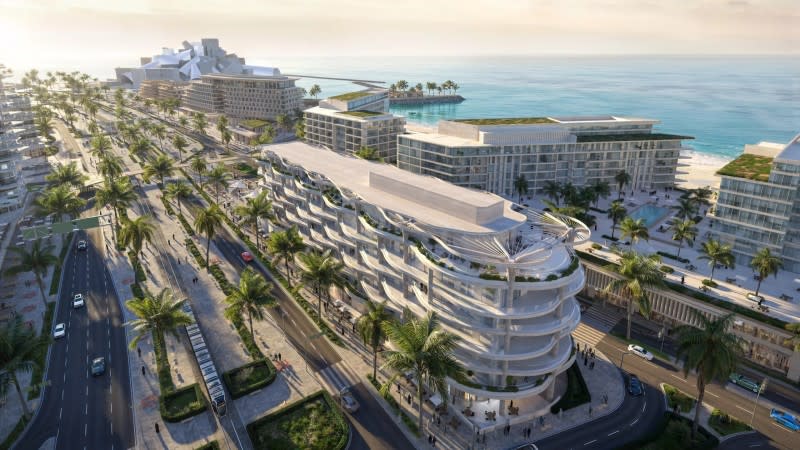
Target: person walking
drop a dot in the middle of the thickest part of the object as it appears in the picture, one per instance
(139, 351)
(142, 370)
(158, 430)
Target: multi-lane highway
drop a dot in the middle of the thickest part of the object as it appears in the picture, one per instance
(79, 410)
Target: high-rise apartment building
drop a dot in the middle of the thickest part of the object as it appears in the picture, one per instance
(346, 123)
(759, 203)
(244, 96)
(18, 138)
(503, 278)
(489, 154)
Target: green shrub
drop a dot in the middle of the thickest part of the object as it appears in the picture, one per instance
(167, 206)
(195, 251)
(182, 403)
(186, 226)
(666, 269)
(577, 393)
(37, 373)
(311, 423)
(709, 283)
(14, 434)
(676, 397)
(162, 364)
(138, 270)
(614, 239)
(596, 246)
(724, 424)
(213, 445)
(249, 377)
(673, 256)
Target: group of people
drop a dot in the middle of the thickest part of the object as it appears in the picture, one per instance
(587, 353)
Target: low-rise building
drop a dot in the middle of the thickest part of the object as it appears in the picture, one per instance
(346, 123)
(759, 203)
(501, 277)
(244, 96)
(162, 89)
(489, 154)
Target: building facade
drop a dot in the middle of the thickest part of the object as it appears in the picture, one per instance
(18, 141)
(759, 203)
(162, 89)
(503, 278)
(348, 122)
(489, 154)
(244, 96)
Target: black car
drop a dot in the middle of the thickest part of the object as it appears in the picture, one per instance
(82, 245)
(635, 387)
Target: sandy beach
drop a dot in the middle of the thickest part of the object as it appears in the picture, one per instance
(700, 171)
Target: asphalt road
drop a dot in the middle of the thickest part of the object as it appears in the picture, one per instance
(79, 410)
(372, 427)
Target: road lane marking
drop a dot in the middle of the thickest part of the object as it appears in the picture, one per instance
(745, 410)
(677, 377)
(85, 430)
(644, 406)
(590, 442)
(86, 411)
(62, 395)
(60, 410)
(613, 433)
(712, 394)
(87, 391)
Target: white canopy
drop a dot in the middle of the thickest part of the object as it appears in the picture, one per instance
(238, 184)
(436, 400)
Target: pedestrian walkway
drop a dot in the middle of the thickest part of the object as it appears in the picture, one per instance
(601, 319)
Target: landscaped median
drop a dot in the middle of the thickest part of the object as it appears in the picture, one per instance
(724, 424)
(409, 421)
(38, 369)
(675, 397)
(182, 403)
(56, 280)
(249, 377)
(313, 423)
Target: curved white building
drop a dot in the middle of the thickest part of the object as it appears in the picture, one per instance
(500, 276)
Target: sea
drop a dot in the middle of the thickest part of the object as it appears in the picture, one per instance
(724, 102)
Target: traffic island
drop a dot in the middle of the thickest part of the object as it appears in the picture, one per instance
(182, 403)
(249, 378)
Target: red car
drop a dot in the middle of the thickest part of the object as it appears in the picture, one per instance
(247, 256)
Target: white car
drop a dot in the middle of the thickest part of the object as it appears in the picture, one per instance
(349, 402)
(639, 351)
(60, 331)
(77, 301)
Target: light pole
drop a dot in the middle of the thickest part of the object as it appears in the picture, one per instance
(761, 389)
(661, 335)
(622, 360)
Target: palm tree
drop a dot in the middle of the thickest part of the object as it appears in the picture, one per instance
(315, 90)
(160, 132)
(118, 194)
(637, 272)
(157, 314)
(19, 351)
(520, 186)
(402, 85)
(370, 328)
(135, 232)
(569, 193)
(711, 350)
(67, 174)
(110, 167)
(552, 189)
(285, 245)
(161, 167)
(601, 189)
(139, 145)
(685, 209)
(219, 178)
(199, 122)
(426, 350)
(717, 253)
(222, 124)
(282, 120)
(179, 191)
(622, 178)
(199, 166)
(183, 121)
(37, 260)
(322, 271)
(226, 138)
(683, 231)
(766, 264)
(180, 145)
(60, 200)
(207, 221)
(100, 145)
(258, 207)
(300, 129)
(252, 296)
(634, 229)
(616, 212)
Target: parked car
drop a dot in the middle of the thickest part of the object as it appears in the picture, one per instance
(82, 245)
(349, 402)
(247, 256)
(784, 418)
(743, 381)
(98, 366)
(60, 331)
(638, 350)
(635, 387)
(77, 301)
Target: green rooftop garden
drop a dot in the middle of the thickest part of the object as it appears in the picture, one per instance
(351, 95)
(631, 137)
(361, 113)
(253, 123)
(507, 121)
(752, 167)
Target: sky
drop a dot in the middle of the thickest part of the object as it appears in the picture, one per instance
(95, 35)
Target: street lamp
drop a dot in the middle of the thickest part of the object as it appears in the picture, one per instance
(622, 360)
(761, 389)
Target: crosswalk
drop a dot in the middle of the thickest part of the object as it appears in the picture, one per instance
(338, 376)
(595, 324)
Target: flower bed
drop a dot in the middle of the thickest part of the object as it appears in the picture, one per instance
(249, 377)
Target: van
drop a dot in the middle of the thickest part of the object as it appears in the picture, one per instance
(755, 298)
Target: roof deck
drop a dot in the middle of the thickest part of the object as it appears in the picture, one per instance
(508, 121)
(346, 97)
(748, 166)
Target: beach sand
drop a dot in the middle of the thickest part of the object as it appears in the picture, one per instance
(700, 171)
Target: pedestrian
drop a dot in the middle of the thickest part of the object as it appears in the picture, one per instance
(585, 361)
(398, 388)
(683, 279)
(279, 357)
(590, 410)
(434, 441)
(169, 242)
(173, 236)
(142, 370)
(591, 366)
(157, 429)
(430, 438)
(139, 351)
(438, 420)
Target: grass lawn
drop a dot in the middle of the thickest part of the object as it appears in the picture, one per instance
(752, 167)
(361, 113)
(312, 423)
(250, 377)
(674, 396)
(577, 393)
(351, 95)
(213, 445)
(725, 424)
(507, 121)
(182, 403)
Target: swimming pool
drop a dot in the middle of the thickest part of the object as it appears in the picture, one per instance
(650, 213)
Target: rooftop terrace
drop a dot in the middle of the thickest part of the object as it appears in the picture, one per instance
(361, 113)
(631, 137)
(253, 123)
(346, 97)
(507, 121)
(751, 167)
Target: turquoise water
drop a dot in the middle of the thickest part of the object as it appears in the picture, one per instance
(724, 102)
(650, 213)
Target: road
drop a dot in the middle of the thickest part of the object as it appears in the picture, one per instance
(372, 427)
(79, 410)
